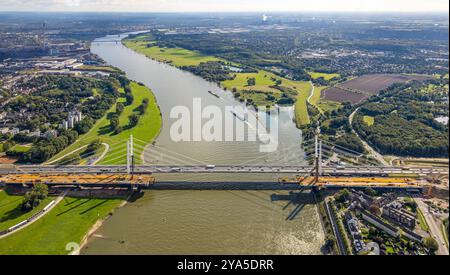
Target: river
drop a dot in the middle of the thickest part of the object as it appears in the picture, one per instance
(206, 222)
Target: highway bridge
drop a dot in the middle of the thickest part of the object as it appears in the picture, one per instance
(211, 169)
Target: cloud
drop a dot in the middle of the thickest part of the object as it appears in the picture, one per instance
(225, 5)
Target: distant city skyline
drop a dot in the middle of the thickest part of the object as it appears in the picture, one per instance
(227, 5)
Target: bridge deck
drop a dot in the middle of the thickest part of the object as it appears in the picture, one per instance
(81, 179)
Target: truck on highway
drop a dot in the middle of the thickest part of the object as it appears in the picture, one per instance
(210, 166)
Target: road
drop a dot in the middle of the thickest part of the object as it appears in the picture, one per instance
(371, 151)
(435, 230)
(312, 92)
(103, 154)
(300, 170)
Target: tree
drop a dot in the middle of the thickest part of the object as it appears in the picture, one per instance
(84, 126)
(93, 146)
(134, 120)
(33, 198)
(251, 81)
(129, 98)
(330, 243)
(370, 192)
(342, 196)
(431, 244)
(118, 130)
(119, 108)
(7, 145)
(114, 123)
(375, 210)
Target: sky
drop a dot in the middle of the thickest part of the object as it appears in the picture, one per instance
(226, 5)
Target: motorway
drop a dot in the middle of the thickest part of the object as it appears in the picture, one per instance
(300, 170)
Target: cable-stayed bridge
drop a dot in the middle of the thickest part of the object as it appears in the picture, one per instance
(329, 165)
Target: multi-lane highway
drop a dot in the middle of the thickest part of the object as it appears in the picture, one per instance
(146, 169)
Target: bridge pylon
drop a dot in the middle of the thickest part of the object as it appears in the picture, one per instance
(318, 155)
(130, 156)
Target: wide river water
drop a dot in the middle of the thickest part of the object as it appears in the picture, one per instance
(206, 222)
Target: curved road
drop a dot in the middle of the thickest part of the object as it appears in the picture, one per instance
(372, 151)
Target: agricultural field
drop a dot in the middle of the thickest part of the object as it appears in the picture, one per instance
(175, 56)
(373, 84)
(340, 95)
(67, 223)
(320, 102)
(361, 88)
(147, 129)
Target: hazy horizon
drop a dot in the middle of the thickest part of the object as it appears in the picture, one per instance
(226, 6)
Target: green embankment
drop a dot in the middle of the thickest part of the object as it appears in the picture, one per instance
(146, 131)
(422, 221)
(11, 213)
(67, 223)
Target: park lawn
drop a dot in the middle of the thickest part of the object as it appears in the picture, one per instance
(68, 222)
(10, 212)
(327, 77)
(369, 120)
(1, 147)
(20, 148)
(146, 131)
(175, 56)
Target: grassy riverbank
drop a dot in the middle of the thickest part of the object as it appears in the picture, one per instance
(147, 129)
(10, 210)
(268, 88)
(68, 222)
(175, 56)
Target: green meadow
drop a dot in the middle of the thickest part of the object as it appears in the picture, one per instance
(175, 56)
(327, 77)
(11, 213)
(146, 131)
(68, 222)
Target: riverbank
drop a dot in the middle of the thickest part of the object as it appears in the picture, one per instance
(268, 89)
(65, 225)
(84, 242)
(146, 131)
